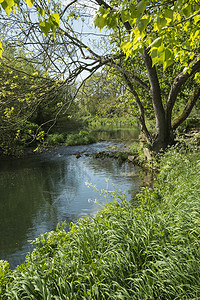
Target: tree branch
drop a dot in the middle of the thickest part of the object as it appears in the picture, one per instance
(180, 79)
(187, 110)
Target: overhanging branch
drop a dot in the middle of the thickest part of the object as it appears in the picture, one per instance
(187, 110)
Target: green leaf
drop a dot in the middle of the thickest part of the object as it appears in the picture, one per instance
(141, 6)
(45, 27)
(168, 54)
(142, 24)
(168, 14)
(100, 22)
(134, 11)
(161, 22)
(156, 43)
(7, 6)
(125, 16)
(54, 19)
(30, 3)
(41, 11)
(187, 10)
(10, 3)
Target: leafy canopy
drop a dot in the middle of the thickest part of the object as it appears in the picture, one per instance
(169, 30)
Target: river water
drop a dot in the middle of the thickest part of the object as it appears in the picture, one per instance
(40, 190)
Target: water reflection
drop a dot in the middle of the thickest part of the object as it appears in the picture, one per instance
(118, 134)
(37, 192)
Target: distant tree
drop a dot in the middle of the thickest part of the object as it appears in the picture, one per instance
(101, 95)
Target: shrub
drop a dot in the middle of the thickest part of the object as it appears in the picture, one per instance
(81, 138)
(55, 139)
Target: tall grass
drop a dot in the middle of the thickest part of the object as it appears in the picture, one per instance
(149, 250)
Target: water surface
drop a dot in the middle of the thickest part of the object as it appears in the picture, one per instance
(38, 191)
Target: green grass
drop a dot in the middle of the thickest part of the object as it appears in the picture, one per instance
(149, 250)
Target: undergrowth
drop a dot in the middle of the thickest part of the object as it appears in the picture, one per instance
(150, 250)
(81, 138)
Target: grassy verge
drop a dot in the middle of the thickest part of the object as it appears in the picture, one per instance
(146, 251)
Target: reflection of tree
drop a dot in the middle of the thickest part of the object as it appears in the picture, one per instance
(118, 134)
(19, 202)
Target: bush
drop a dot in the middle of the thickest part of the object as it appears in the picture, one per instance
(81, 138)
(55, 139)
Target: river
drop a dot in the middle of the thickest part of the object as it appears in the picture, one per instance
(40, 190)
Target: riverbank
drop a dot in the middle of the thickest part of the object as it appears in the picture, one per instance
(146, 251)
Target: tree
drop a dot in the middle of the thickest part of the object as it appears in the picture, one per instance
(150, 42)
(101, 96)
(29, 101)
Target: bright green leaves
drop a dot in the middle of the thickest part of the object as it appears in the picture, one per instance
(105, 17)
(51, 24)
(30, 3)
(41, 11)
(168, 15)
(160, 54)
(187, 9)
(8, 5)
(170, 32)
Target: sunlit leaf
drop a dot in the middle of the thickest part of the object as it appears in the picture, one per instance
(30, 3)
(54, 19)
(45, 27)
(1, 49)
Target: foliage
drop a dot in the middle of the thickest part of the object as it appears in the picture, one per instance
(4, 275)
(146, 251)
(106, 123)
(81, 138)
(29, 100)
(101, 96)
(49, 22)
(55, 139)
(150, 54)
(158, 26)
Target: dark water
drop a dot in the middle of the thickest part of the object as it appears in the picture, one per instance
(38, 191)
(128, 134)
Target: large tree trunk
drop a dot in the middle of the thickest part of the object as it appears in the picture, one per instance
(163, 136)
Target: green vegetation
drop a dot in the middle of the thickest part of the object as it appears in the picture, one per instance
(145, 250)
(55, 139)
(149, 60)
(81, 138)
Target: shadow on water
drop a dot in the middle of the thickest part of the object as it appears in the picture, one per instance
(38, 191)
